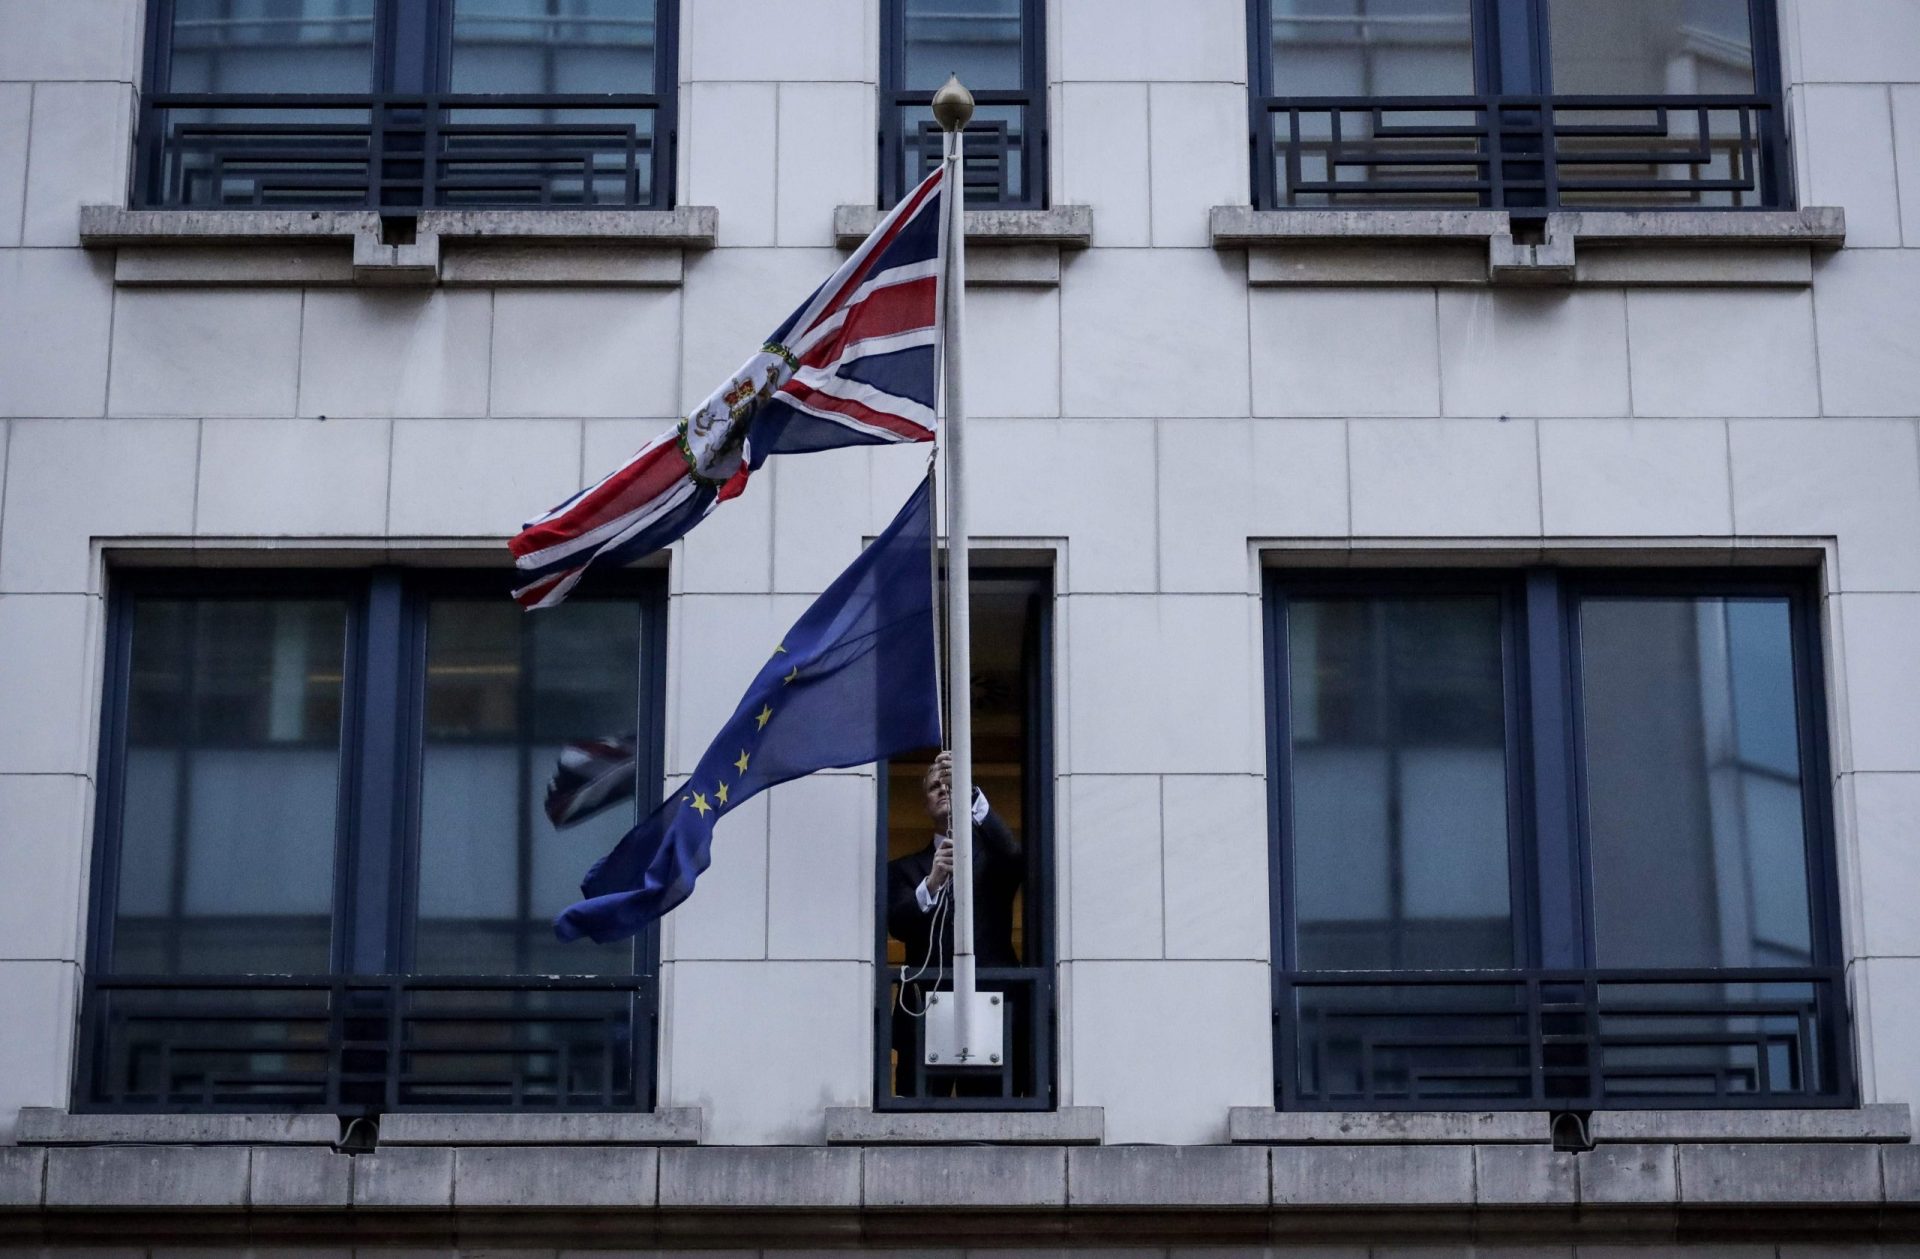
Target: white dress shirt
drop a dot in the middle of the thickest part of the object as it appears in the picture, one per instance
(926, 899)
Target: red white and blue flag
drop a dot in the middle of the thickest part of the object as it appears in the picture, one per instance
(854, 365)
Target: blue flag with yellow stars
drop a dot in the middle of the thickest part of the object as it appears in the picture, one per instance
(852, 682)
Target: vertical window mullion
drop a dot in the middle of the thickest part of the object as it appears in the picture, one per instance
(1550, 698)
(383, 701)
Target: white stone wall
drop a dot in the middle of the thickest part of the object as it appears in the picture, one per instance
(1153, 422)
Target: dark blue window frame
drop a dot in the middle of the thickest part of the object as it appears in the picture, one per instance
(354, 1030)
(1556, 1007)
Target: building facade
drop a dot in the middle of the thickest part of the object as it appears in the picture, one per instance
(1445, 483)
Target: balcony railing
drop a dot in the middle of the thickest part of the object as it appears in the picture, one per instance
(1574, 1040)
(365, 1044)
(402, 154)
(1526, 154)
(1005, 165)
(1023, 1078)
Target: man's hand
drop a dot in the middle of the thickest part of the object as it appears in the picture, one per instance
(942, 867)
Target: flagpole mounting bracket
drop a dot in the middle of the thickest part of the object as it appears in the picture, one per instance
(986, 1031)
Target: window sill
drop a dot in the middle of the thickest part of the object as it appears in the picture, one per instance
(1070, 1125)
(41, 1125)
(449, 247)
(1007, 248)
(1882, 1123)
(1676, 248)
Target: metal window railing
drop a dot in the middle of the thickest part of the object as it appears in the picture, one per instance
(1527, 154)
(1020, 1081)
(405, 153)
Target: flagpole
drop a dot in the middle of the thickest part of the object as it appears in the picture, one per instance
(953, 107)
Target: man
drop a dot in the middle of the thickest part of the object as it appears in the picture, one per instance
(917, 886)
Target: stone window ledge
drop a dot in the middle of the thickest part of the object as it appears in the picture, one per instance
(1006, 248)
(1884, 1123)
(671, 1126)
(1478, 247)
(450, 247)
(1070, 1125)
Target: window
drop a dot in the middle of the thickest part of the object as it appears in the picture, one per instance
(405, 105)
(1521, 105)
(1013, 766)
(1556, 840)
(325, 878)
(996, 48)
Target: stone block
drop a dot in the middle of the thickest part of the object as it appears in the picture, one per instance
(1882, 685)
(1886, 1001)
(1126, 40)
(749, 1177)
(1344, 352)
(1886, 816)
(1906, 156)
(71, 481)
(395, 353)
(1857, 481)
(1015, 495)
(820, 889)
(478, 478)
(1621, 478)
(731, 133)
(82, 144)
(964, 1176)
(1619, 1175)
(1444, 478)
(534, 1176)
(1224, 484)
(1214, 838)
(1069, 1125)
(1533, 353)
(47, 669)
(835, 165)
(294, 478)
(75, 39)
(1013, 340)
(1867, 304)
(673, 1126)
(1886, 1121)
(713, 343)
(1198, 137)
(1900, 1174)
(177, 1176)
(202, 352)
(402, 1177)
(1373, 1175)
(1523, 1176)
(1779, 1175)
(1847, 134)
(1716, 352)
(23, 1174)
(1122, 356)
(835, 40)
(1113, 842)
(56, 317)
(1165, 1175)
(735, 635)
(41, 903)
(1167, 1047)
(573, 352)
(1105, 164)
(16, 108)
(300, 1178)
(1307, 1127)
(1859, 41)
(53, 1125)
(730, 921)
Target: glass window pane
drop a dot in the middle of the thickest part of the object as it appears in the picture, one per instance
(552, 47)
(1694, 792)
(235, 46)
(1372, 48)
(505, 691)
(1397, 763)
(1649, 47)
(979, 40)
(231, 783)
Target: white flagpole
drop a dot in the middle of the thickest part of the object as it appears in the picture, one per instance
(953, 107)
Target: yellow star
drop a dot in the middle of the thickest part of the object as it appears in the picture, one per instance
(700, 804)
(765, 715)
(792, 675)
(720, 793)
(741, 764)
(781, 650)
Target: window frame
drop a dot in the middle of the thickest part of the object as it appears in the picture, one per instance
(408, 91)
(1513, 71)
(1548, 830)
(377, 829)
(1032, 97)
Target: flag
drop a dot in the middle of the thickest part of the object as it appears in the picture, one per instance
(852, 682)
(592, 775)
(854, 365)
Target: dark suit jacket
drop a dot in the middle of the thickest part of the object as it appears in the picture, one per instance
(999, 867)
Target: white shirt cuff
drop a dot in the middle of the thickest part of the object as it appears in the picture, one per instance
(924, 898)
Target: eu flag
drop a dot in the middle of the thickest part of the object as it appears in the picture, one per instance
(852, 682)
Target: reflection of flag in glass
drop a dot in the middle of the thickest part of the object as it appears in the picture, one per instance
(854, 365)
(852, 682)
(592, 775)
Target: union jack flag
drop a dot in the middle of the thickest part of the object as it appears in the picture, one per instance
(854, 365)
